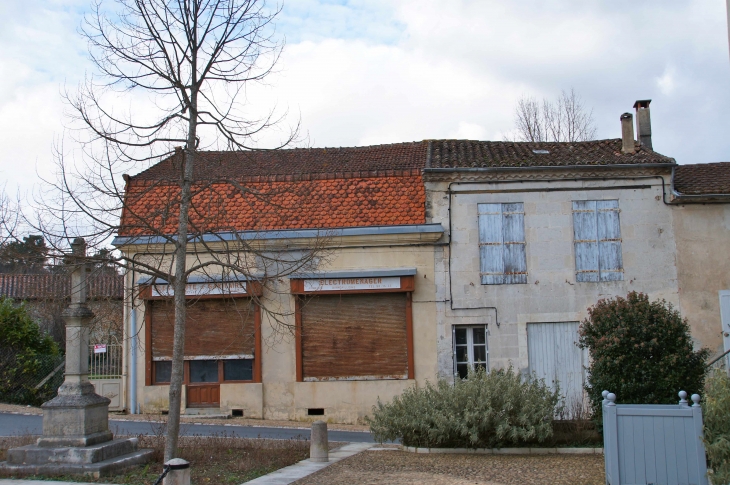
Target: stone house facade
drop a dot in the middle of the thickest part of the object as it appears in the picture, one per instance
(440, 255)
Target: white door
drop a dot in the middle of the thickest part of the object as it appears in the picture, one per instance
(554, 355)
(725, 317)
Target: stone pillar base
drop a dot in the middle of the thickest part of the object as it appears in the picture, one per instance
(75, 420)
(99, 460)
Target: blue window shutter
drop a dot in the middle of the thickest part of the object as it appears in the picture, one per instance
(515, 257)
(610, 261)
(585, 236)
(491, 244)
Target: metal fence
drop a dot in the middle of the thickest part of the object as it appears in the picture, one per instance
(27, 378)
(105, 361)
(653, 443)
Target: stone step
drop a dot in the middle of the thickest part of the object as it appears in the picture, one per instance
(112, 466)
(40, 455)
(213, 413)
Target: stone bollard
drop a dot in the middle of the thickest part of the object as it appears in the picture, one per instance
(319, 449)
(179, 473)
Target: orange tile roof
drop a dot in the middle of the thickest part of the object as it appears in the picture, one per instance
(324, 203)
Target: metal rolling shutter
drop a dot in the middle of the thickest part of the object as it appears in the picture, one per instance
(354, 337)
(215, 327)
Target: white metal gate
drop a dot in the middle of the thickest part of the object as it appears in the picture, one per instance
(105, 372)
(553, 355)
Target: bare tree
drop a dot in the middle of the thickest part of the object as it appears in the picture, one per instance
(9, 218)
(183, 67)
(564, 120)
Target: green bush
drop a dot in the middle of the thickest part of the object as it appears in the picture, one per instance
(716, 414)
(485, 410)
(27, 356)
(641, 351)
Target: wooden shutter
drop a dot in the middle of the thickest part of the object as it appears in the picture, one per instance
(214, 327)
(597, 237)
(610, 262)
(503, 259)
(553, 355)
(354, 337)
(585, 234)
(515, 258)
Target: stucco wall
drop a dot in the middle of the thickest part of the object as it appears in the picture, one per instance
(552, 293)
(280, 396)
(702, 232)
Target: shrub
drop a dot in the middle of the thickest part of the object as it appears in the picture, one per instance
(485, 410)
(27, 356)
(716, 414)
(641, 351)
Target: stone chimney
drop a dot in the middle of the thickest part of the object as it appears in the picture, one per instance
(627, 133)
(643, 122)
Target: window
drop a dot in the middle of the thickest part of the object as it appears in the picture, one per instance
(163, 371)
(502, 244)
(470, 349)
(203, 371)
(238, 370)
(597, 236)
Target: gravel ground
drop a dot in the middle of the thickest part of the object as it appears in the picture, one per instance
(402, 468)
(12, 408)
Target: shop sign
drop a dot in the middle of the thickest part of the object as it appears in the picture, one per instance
(349, 284)
(202, 289)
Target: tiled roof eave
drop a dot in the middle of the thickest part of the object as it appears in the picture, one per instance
(526, 168)
(283, 234)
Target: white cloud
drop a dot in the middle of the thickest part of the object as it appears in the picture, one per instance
(666, 82)
(382, 71)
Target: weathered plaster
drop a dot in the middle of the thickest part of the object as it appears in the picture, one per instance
(702, 232)
(552, 293)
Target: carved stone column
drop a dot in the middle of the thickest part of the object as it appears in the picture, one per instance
(76, 438)
(77, 416)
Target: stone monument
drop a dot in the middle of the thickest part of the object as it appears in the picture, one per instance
(76, 437)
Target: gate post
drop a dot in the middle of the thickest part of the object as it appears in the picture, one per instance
(610, 439)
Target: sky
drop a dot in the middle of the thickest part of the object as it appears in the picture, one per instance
(366, 72)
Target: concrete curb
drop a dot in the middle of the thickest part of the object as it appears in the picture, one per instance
(507, 451)
(304, 468)
(19, 481)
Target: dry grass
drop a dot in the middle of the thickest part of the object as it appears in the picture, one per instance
(213, 459)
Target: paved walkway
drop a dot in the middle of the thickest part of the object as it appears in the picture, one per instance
(304, 468)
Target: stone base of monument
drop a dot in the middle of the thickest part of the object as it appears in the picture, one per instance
(103, 459)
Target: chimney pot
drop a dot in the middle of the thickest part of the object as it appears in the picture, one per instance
(627, 133)
(643, 122)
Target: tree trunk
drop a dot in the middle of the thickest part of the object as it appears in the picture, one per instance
(180, 282)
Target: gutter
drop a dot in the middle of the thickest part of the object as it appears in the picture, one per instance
(679, 198)
(286, 234)
(551, 168)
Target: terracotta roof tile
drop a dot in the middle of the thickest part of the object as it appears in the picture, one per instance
(702, 179)
(483, 154)
(279, 205)
(332, 187)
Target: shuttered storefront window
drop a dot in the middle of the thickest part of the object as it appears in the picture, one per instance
(597, 235)
(502, 243)
(355, 336)
(216, 329)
